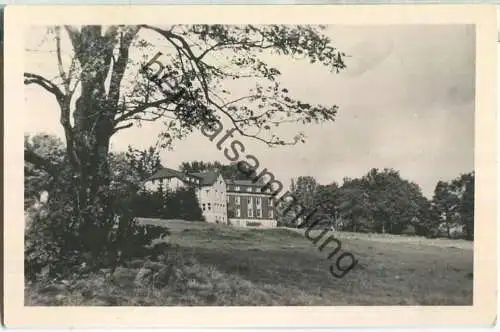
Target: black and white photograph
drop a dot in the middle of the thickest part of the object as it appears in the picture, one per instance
(250, 165)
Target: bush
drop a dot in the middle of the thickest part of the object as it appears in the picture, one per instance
(51, 245)
(181, 204)
(128, 239)
(286, 220)
(147, 204)
(409, 231)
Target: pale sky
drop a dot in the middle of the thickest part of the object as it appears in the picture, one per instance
(406, 102)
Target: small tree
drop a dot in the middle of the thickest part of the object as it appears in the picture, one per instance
(444, 205)
(183, 204)
(463, 189)
(231, 210)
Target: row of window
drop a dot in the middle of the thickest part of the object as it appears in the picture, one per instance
(168, 180)
(215, 190)
(250, 200)
(248, 189)
(258, 213)
(217, 207)
(193, 180)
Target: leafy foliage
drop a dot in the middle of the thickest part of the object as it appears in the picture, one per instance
(355, 207)
(453, 204)
(53, 175)
(304, 190)
(396, 202)
(228, 171)
(53, 240)
(180, 204)
(128, 239)
(444, 205)
(383, 202)
(51, 244)
(466, 208)
(183, 204)
(143, 163)
(193, 69)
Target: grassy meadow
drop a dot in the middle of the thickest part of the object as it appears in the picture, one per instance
(224, 266)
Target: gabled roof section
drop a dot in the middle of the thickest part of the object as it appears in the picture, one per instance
(245, 183)
(166, 173)
(208, 178)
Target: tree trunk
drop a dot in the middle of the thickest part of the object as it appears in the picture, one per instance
(89, 146)
(448, 226)
(93, 208)
(88, 139)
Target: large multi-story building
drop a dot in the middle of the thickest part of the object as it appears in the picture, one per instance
(235, 202)
(248, 205)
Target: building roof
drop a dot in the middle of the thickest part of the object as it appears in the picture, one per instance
(245, 183)
(166, 173)
(206, 178)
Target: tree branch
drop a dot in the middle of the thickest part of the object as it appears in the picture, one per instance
(120, 65)
(145, 106)
(74, 36)
(128, 125)
(30, 78)
(65, 79)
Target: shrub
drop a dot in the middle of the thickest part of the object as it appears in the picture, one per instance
(180, 204)
(410, 231)
(51, 245)
(147, 204)
(183, 204)
(128, 239)
(254, 224)
(52, 242)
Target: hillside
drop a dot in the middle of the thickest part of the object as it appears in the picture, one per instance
(216, 265)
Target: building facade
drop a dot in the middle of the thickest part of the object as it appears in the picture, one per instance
(240, 203)
(248, 205)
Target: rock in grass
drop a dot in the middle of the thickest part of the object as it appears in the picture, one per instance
(60, 298)
(52, 289)
(143, 277)
(123, 276)
(163, 276)
(154, 266)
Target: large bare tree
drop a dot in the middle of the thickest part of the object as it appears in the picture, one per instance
(96, 97)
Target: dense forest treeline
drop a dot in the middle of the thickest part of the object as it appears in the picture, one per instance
(382, 201)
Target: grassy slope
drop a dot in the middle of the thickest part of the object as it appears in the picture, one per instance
(216, 265)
